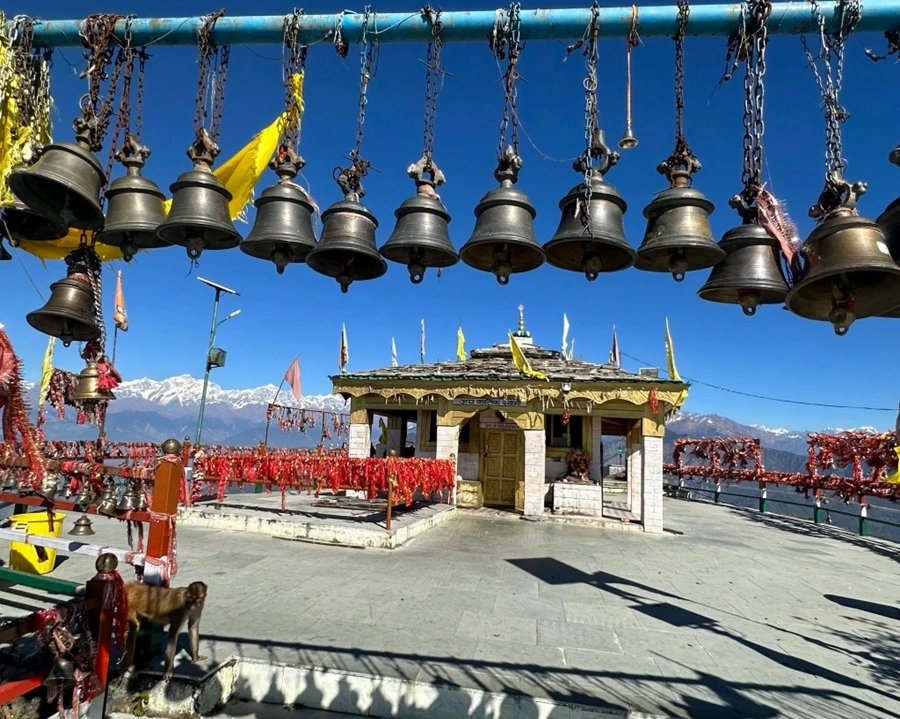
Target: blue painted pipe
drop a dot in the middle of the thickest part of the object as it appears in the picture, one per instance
(787, 18)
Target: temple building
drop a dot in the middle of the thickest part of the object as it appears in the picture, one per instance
(511, 433)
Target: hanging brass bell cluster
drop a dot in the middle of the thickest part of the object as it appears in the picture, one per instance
(135, 205)
(678, 238)
(848, 270)
(199, 218)
(347, 250)
(503, 241)
(107, 503)
(89, 392)
(64, 184)
(69, 314)
(890, 221)
(83, 527)
(282, 231)
(421, 238)
(750, 274)
(591, 233)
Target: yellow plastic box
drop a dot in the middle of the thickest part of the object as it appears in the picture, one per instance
(24, 557)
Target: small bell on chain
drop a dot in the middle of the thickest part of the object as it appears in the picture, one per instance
(591, 234)
(890, 221)
(421, 238)
(282, 231)
(347, 249)
(199, 218)
(140, 500)
(129, 500)
(136, 206)
(849, 272)
(90, 391)
(51, 484)
(750, 274)
(85, 496)
(69, 314)
(107, 504)
(503, 241)
(62, 675)
(83, 527)
(64, 184)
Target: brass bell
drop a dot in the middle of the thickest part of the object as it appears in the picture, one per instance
(89, 391)
(594, 241)
(10, 483)
(140, 500)
(421, 238)
(678, 238)
(21, 223)
(65, 182)
(136, 206)
(750, 275)
(107, 504)
(129, 499)
(347, 249)
(282, 231)
(50, 485)
(628, 141)
(85, 496)
(62, 675)
(849, 272)
(82, 528)
(199, 218)
(69, 313)
(503, 241)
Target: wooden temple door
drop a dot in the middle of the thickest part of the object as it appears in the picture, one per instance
(501, 466)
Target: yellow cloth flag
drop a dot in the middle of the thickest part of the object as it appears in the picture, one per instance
(46, 372)
(239, 173)
(670, 362)
(895, 477)
(521, 361)
(460, 345)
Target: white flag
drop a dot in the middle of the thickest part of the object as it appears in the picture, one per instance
(565, 343)
(393, 353)
(422, 344)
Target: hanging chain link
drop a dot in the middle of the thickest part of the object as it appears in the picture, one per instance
(749, 44)
(682, 158)
(294, 65)
(432, 80)
(213, 61)
(590, 84)
(125, 60)
(139, 108)
(99, 51)
(506, 42)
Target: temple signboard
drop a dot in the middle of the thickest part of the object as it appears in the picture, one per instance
(488, 402)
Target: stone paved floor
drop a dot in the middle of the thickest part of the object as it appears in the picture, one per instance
(728, 614)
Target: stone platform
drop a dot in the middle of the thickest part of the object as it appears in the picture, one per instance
(729, 613)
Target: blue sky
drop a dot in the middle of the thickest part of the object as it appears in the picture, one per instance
(774, 353)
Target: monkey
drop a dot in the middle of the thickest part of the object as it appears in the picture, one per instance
(163, 605)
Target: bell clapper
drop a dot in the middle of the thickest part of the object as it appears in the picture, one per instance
(749, 301)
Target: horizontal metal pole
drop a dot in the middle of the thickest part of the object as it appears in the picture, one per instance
(38, 581)
(787, 18)
(66, 545)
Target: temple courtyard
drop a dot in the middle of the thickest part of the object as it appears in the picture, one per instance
(727, 613)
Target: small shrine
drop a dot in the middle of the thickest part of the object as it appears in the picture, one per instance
(521, 441)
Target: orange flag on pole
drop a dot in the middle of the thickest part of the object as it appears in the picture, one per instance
(120, 315)
(344, 356)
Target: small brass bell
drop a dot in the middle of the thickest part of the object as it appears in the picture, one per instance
(136, 206)
(107, 504)
(85, 496)
(128, 500)
(10, 483)
(282, 231)
(89, 391)
(50, 485)
(347, 249)
(199, 218)
(421, 238)
(62, 675)
(750, 274)
(678, 238)
(140, 500)
(591, 234)
(849, 272)
(503, 241)
(82, 528)
(69, 313)
(628, 140)
(65, 182)
(21, 224)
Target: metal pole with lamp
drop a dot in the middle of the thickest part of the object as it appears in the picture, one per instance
(210, 363)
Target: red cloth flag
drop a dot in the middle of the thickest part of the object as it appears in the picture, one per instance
(292, 377)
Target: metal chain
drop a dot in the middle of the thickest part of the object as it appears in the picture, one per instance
(893, 47)
(23, 66)
(506, 42)
(219, 96)
(213, 62)
(432, 79)
(125, 59)
(295, 63)
(139, 111)
(752, 42)
(682, 157)
(95, 113)
(591, 114)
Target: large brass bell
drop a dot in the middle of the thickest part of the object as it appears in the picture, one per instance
(591, 234)
(62, 675)
(136, 206)
(282, 231)
(421, 238)
(347, 249)
(678, 238)
(199, 218)
(83, 527)
(21, 223)
(107, 504)
(750, 274)
(503, 241)
(849, 272)
(890, 221)
(89, 391)
(65, 182)
(69, 313)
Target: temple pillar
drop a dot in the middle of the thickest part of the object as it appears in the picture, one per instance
(652, 489)
(635, 471)
(535, 471)
(395, 434)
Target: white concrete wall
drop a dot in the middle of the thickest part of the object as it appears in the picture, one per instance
(555, 468)
(535, 465)
(359, 441)
(467, 465)
(635, 478)
(652, 505)
(597, 448)
(447, 442)
(583, 499)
